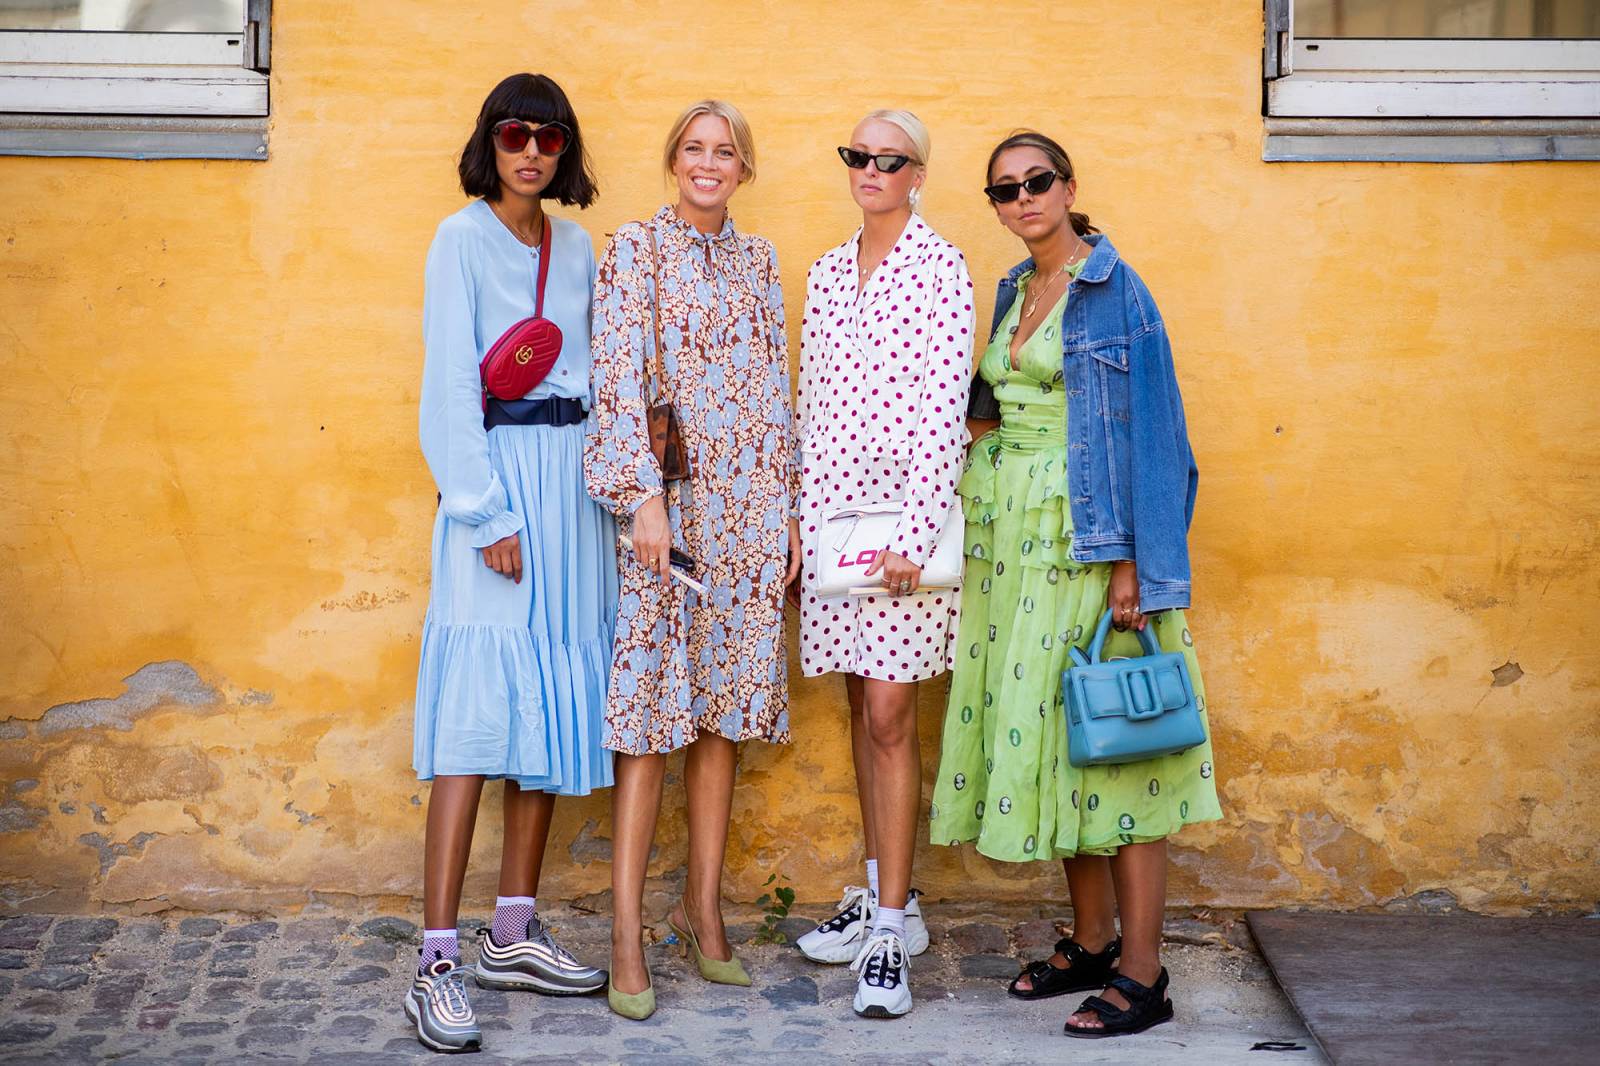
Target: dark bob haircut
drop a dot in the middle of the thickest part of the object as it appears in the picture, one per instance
(535, 99)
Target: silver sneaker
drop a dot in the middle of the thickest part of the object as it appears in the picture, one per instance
(537, 964)
(437, 1005)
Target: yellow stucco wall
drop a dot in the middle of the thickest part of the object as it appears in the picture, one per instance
(208, 382)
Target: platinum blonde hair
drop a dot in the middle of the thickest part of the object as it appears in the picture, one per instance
(744, 143)
(911, 126)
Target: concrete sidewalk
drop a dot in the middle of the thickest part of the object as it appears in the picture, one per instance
(322, 988)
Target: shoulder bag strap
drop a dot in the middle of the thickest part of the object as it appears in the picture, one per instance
(544, 269)
(659, 374)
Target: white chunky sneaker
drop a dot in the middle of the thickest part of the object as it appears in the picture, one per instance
(916, 928)
(883, 984)
(838, 940)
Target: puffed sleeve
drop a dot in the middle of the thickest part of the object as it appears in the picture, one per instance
(450, 422)
(938, 441)
(619, 470)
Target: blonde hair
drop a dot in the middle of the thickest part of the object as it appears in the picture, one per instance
(744, 144)
(911, 126)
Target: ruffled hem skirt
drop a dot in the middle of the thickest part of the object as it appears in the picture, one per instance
(512, 679)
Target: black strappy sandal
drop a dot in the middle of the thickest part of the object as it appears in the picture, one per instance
(1085, 970)
(1146, 1007)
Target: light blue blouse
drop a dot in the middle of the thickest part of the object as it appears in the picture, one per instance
(478, 281)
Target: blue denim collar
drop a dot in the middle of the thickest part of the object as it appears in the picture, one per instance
(1102, 258)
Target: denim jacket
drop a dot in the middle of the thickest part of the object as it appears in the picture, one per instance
(1133, 489)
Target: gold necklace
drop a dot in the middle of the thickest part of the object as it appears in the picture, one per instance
(513, 230)
(1029, 308)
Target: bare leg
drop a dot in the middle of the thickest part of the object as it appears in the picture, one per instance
(708, 779)
(527, 817)
(635, 805)
(452, 816)
(891, 708)
(1140, 871)
(861, 755)
(1093, 907)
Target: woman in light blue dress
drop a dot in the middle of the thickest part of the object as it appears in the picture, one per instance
(516, 647)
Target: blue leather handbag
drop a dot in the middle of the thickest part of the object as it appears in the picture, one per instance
(1125, 710)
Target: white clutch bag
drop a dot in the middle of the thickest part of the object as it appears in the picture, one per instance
(849, 542)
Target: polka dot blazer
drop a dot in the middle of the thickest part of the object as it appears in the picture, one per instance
(884, 375)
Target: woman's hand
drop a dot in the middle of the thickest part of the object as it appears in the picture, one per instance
(652, 537)
(1124, 599)
(900, 575)
(504, 556)
(791, 577)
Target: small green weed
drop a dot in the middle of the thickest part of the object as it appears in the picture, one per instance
(776, 903)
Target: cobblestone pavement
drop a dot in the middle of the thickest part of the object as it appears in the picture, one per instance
(327, 989)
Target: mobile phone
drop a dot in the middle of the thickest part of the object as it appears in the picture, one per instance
(683, 561)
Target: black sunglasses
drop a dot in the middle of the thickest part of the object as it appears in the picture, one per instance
(886, 162)
(513, 135)
(1008, 191)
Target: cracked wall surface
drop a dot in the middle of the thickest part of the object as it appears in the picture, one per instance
(214, 518)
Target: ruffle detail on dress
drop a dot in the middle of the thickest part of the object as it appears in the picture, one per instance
(468, 677)
(1046, 507)
(496, 529)
(1047, 514)
(976, 490)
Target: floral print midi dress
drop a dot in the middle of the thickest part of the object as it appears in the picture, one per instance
(683, 662)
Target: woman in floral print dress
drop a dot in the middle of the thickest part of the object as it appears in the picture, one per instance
(701, 671)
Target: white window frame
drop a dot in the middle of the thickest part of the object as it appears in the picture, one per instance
(137, 95)
(1446, 100)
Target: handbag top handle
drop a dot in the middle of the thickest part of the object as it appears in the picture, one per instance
(544, 269)
(1147, 637)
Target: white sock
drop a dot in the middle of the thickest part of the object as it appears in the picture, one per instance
(872, 876)
(890, 920)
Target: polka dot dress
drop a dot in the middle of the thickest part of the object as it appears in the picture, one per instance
(884, 376)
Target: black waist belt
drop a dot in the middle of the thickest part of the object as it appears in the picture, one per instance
(550, 411)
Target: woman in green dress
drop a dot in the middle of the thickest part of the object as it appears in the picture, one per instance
(1085, 443)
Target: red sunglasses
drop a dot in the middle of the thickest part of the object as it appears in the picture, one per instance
(513, 135)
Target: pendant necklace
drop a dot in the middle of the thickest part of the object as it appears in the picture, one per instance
(513, 230)
(1033, 305)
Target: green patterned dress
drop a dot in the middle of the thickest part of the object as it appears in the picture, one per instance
(1004, 779)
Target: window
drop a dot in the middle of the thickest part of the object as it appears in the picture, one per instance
(1435, 80)
(134, 78)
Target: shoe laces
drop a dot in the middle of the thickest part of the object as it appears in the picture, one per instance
(856, 897)
(882, 953)
(541, 934)
(449, 991)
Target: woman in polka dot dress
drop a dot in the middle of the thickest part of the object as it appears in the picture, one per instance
(1035, 587)
(885, 366)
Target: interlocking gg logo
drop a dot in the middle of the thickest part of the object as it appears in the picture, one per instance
(524, 354)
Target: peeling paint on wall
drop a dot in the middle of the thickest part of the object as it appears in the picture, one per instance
(149, 686)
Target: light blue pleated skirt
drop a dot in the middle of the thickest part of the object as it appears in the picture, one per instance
(512, 682)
